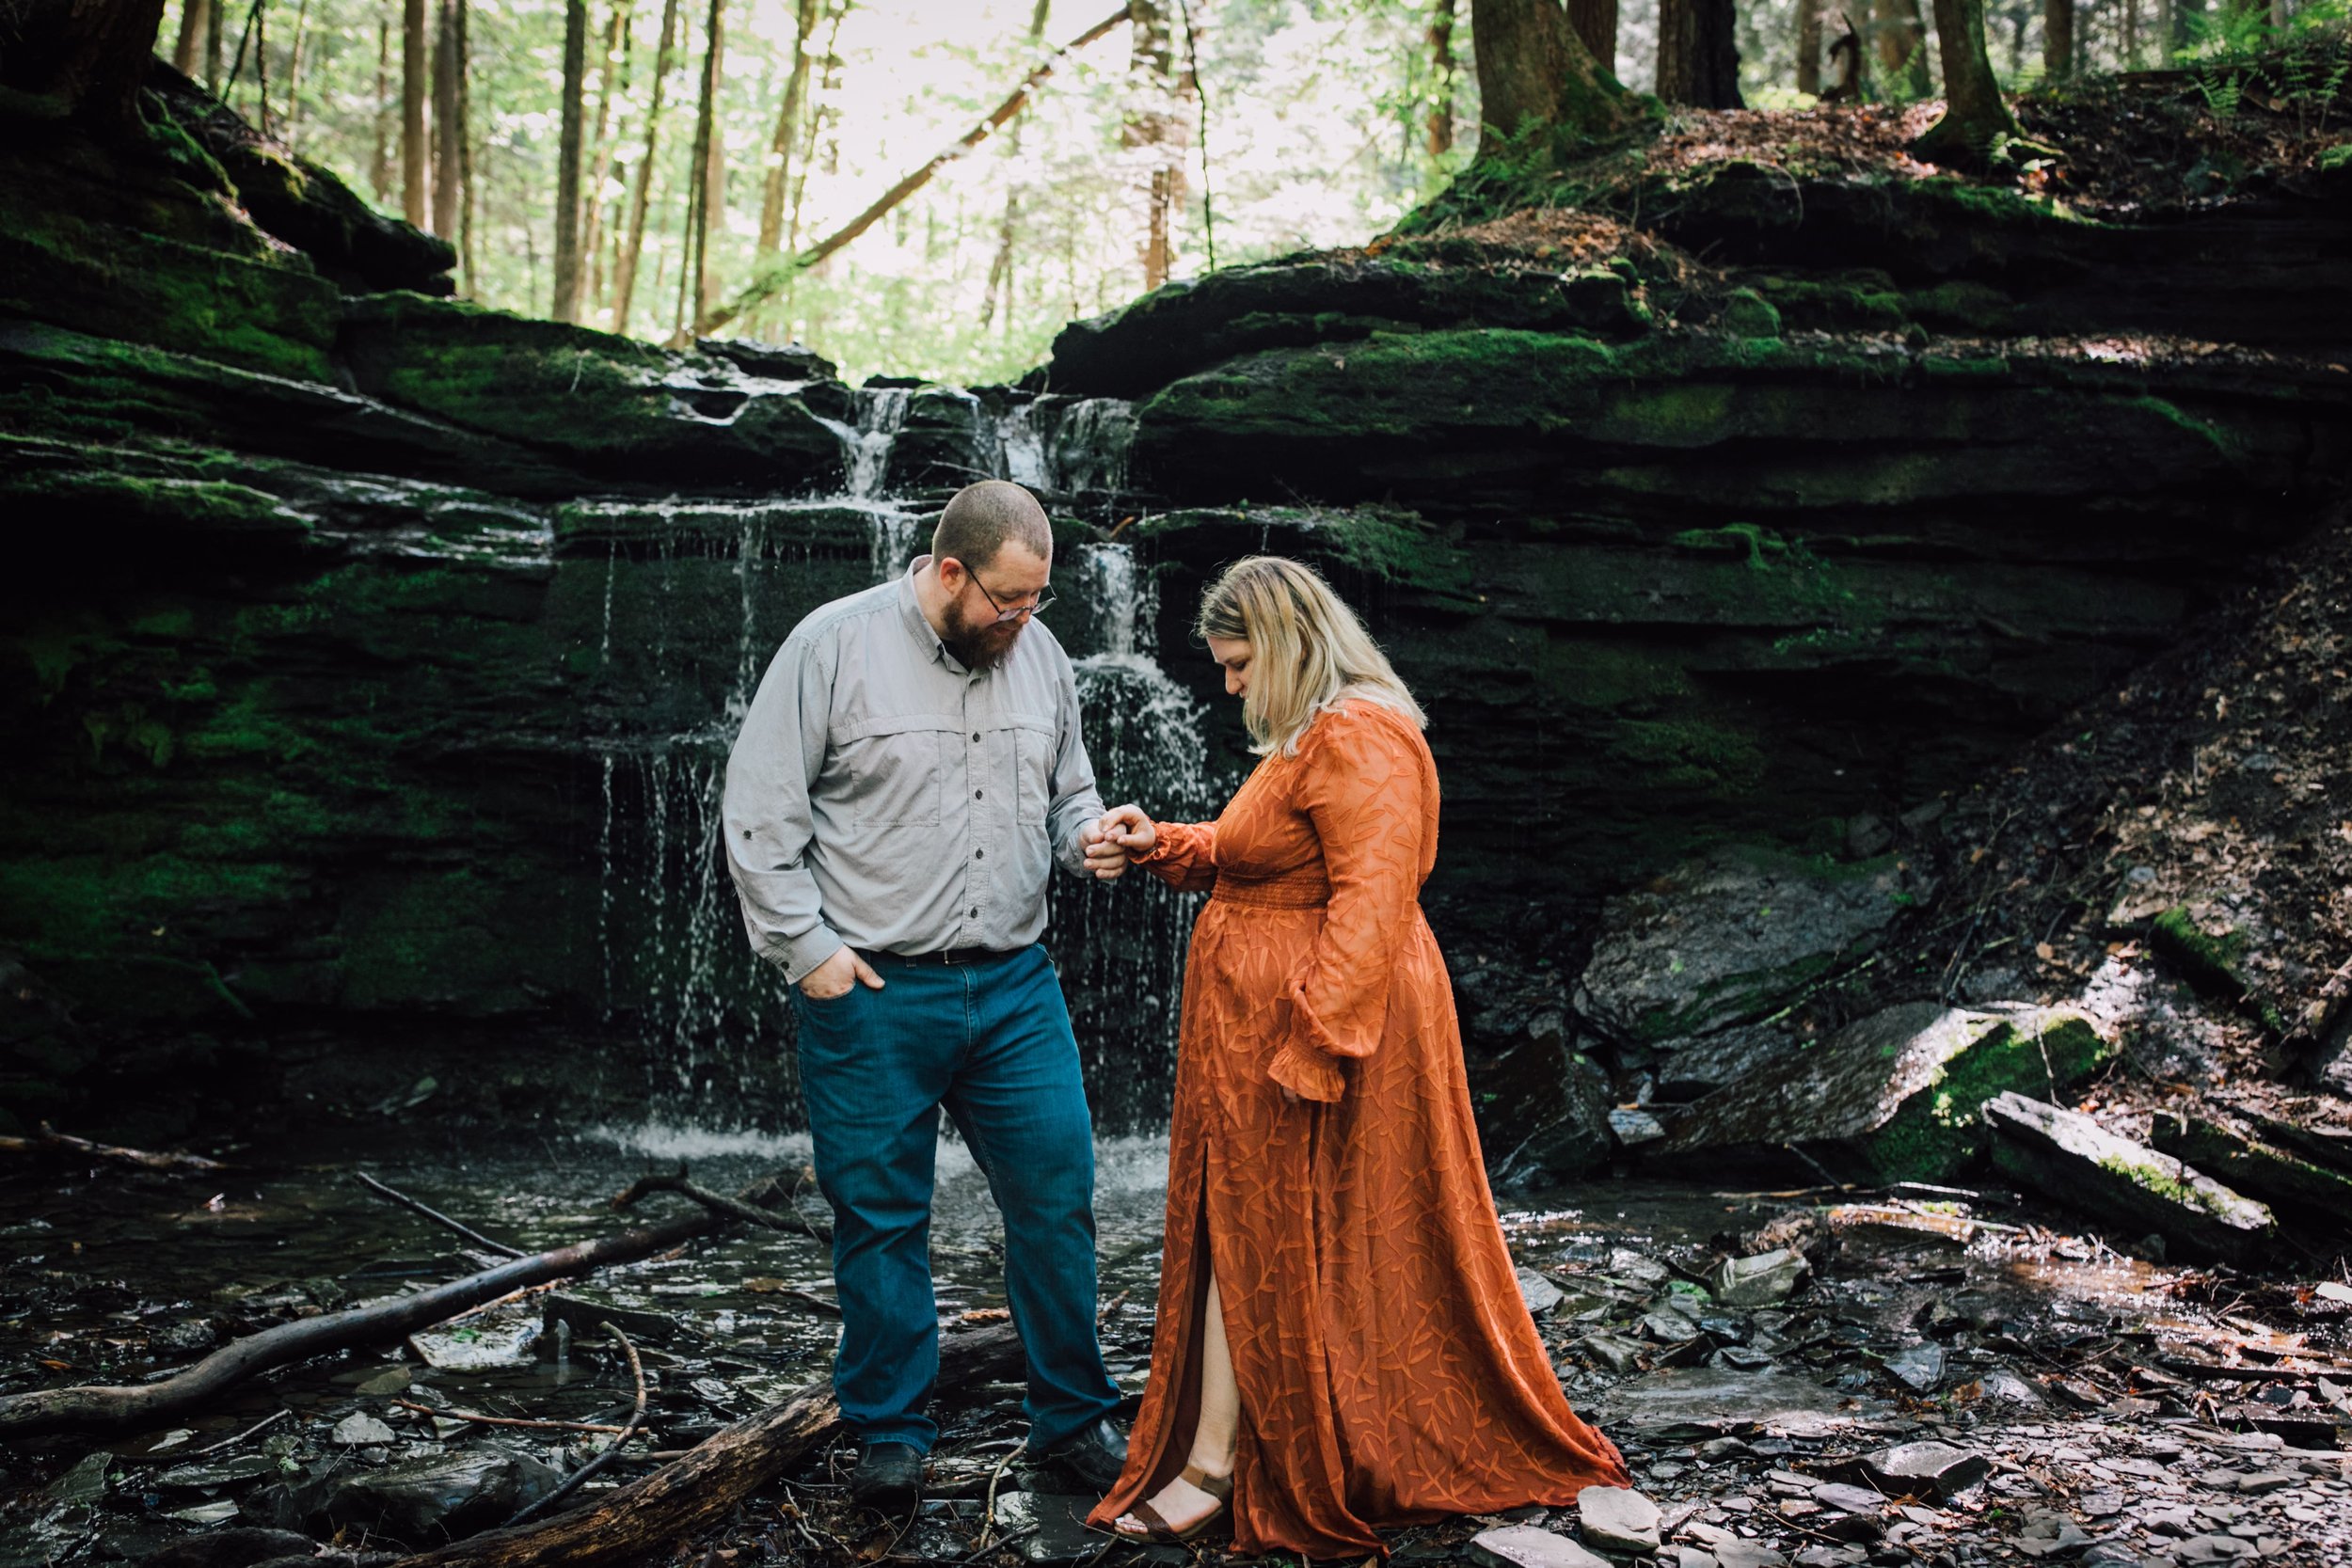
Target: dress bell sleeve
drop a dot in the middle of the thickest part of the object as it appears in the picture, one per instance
(1360, 783)
(1184, 856)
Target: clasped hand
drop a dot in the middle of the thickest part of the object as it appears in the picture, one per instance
(1116, 837)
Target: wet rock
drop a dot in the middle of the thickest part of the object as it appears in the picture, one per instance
(1528, 1546)
(1611, 1350)
(1551, 1111)
(82, 1486)
(359, 1430)
(1727, 942)
(1746, 1554)
(1846, 1499)
(418, 1502)
(2260, 1170)
(584, 1316)
(231, 1549)
(1687, 1405)
(1540, 1295)
(1896, 1096)
(1929, 1470)
(2313, 1131)
(1617, 1519)
(1694, 1067)
(2072, 1158)
(1763, 1280)
(188, 1338)
(1919, 1367)
(473, 1350)
(1634, 1127)
(1056, 1527)
(228, 1472)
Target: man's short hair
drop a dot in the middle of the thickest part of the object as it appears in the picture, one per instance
(980, 517)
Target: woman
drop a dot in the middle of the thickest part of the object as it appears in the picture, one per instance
(1342, 1343)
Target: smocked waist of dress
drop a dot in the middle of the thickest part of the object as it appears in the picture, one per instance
(1309, 889)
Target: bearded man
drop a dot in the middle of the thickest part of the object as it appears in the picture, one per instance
(904, 781)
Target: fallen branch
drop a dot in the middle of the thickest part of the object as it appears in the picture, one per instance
(785, 1218)
(646, 1516)
(90, 1409)
(50, 1141)
(772, 281)
(261, 1425)
(579, 1478)
(396, 1195)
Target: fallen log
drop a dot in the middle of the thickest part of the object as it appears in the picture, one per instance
(50, 1141)
(642, 1519)
(96, 1410)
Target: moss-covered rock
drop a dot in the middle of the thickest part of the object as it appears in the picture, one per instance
(2074, 1162)
(1895, 1097)
(2237, 1156)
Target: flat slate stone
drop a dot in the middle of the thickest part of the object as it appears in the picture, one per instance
(477, 1350)
(1526, 1547)
(1617, 1519)
(1763, 1280)
(2254, 1168)
(1060, 1532)
(1540, 1295)
(1848, 1499)
(1930, 1469)
(2070, 1158)
(1691, 1403)
(1919, 1367)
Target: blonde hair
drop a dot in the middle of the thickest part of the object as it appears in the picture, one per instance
(1307, 650)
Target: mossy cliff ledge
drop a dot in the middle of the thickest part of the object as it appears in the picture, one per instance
(373, 655)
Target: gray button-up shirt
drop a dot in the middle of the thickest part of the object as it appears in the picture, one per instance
(883, 795)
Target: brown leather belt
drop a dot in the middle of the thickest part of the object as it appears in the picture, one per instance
(944, 956)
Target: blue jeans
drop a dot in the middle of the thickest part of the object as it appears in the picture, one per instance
(990, 1042)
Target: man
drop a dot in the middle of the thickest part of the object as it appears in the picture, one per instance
(907, 775)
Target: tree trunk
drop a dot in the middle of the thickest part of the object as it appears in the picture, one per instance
(1809, 46)
(648, 1519)
(625, 265)
(2131, 35)
(1441, 78)
(1155, 131)
(81, 57)
(600, 167)
(706, 194)
(465, 153)
(1535, 78)
(449, 126)
(1902, 48)
(1698, 57)
(294, 72)
(1007, 228)
(414, 65)
(1974, 116)
(194, 23)
(565, 306)
(780, 145)
(380, 168)
(1595, 25)
(215, 35)
(2058, 40)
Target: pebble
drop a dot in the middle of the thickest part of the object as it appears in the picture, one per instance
(1616, 1519)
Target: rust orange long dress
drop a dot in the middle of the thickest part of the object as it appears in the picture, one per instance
(1387, 1367)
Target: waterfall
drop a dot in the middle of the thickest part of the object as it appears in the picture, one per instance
(694, 598)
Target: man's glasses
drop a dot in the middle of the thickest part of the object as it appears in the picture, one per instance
(1036, 607)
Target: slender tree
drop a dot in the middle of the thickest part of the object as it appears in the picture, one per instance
(705, 189)
(777, 176)
(196, 22)
(1975, 116)
(2057, 39)
(565, 304)
(380, 165)
(612, 73)
(293, 72)
(633, 246)
(1809, 46)
(415, 66)
(1154, 131)
(1441, 78)
(215, 44)
(449, 126)
(1008, 226)
(1537, 80)
(465, 152)
(1595, 23)
(1698, 57)
(1902, 47)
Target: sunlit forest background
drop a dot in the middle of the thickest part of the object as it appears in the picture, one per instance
(1254, 127)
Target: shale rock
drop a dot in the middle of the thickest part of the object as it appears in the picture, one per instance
(418, 1502)
(1617, 1519)
(2259, 1169)
(1894, 1096)
(1689, 1404)
(2072, 1158)
(1528, 1546)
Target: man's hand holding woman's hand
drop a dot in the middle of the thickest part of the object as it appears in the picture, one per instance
(836, 975)
(1117, 836)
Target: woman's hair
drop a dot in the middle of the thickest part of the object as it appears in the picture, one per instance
(1307, 650)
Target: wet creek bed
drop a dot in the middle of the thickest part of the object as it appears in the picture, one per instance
(1823, 1377)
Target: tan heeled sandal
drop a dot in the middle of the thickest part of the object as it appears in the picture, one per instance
(1157, 1529)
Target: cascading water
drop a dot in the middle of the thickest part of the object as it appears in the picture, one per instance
(712, 590)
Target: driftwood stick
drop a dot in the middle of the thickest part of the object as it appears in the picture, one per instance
(532, 1423)
(719, 1203)
(90, 1409)
(264, 1423)
(645, 1517)
(573, 1483)
(50, 1141)
(396, 1195)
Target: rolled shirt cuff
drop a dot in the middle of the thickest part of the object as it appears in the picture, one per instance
(799, 956)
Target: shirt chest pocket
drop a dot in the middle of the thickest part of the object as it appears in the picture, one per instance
(895, 767)
(1035, 745)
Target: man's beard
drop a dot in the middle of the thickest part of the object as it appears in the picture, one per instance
(980, 645)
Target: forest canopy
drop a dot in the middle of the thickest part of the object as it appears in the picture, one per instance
(1178, 135)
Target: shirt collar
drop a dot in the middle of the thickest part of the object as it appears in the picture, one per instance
(918, 625)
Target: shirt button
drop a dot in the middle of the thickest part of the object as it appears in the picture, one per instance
(976, 794)
(976, 735)
(980, 855)
(975, 912)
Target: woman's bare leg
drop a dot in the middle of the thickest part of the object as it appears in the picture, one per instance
(1215, 1439)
